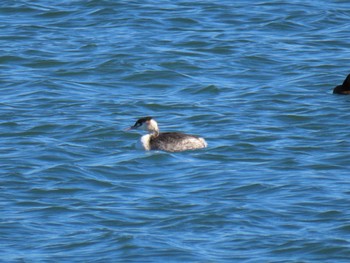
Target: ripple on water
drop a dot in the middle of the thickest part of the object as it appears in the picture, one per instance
(255, 80)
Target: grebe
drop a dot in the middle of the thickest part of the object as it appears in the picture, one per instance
(343, 89)
(166, 141)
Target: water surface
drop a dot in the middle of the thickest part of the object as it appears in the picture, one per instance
(254, 79)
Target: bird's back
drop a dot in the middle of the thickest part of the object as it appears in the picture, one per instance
(175, 142)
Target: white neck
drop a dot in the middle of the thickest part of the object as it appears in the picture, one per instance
(152, 127)
(145, 141)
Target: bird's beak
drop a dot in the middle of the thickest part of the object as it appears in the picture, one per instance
(130, 128)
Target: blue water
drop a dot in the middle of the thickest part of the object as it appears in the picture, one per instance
(254, 78)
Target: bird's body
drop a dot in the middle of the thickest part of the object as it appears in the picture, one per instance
(343, 89)
(174, 142)
(167, 141)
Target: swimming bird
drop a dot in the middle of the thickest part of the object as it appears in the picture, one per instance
(166, 141)
(343, 89)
